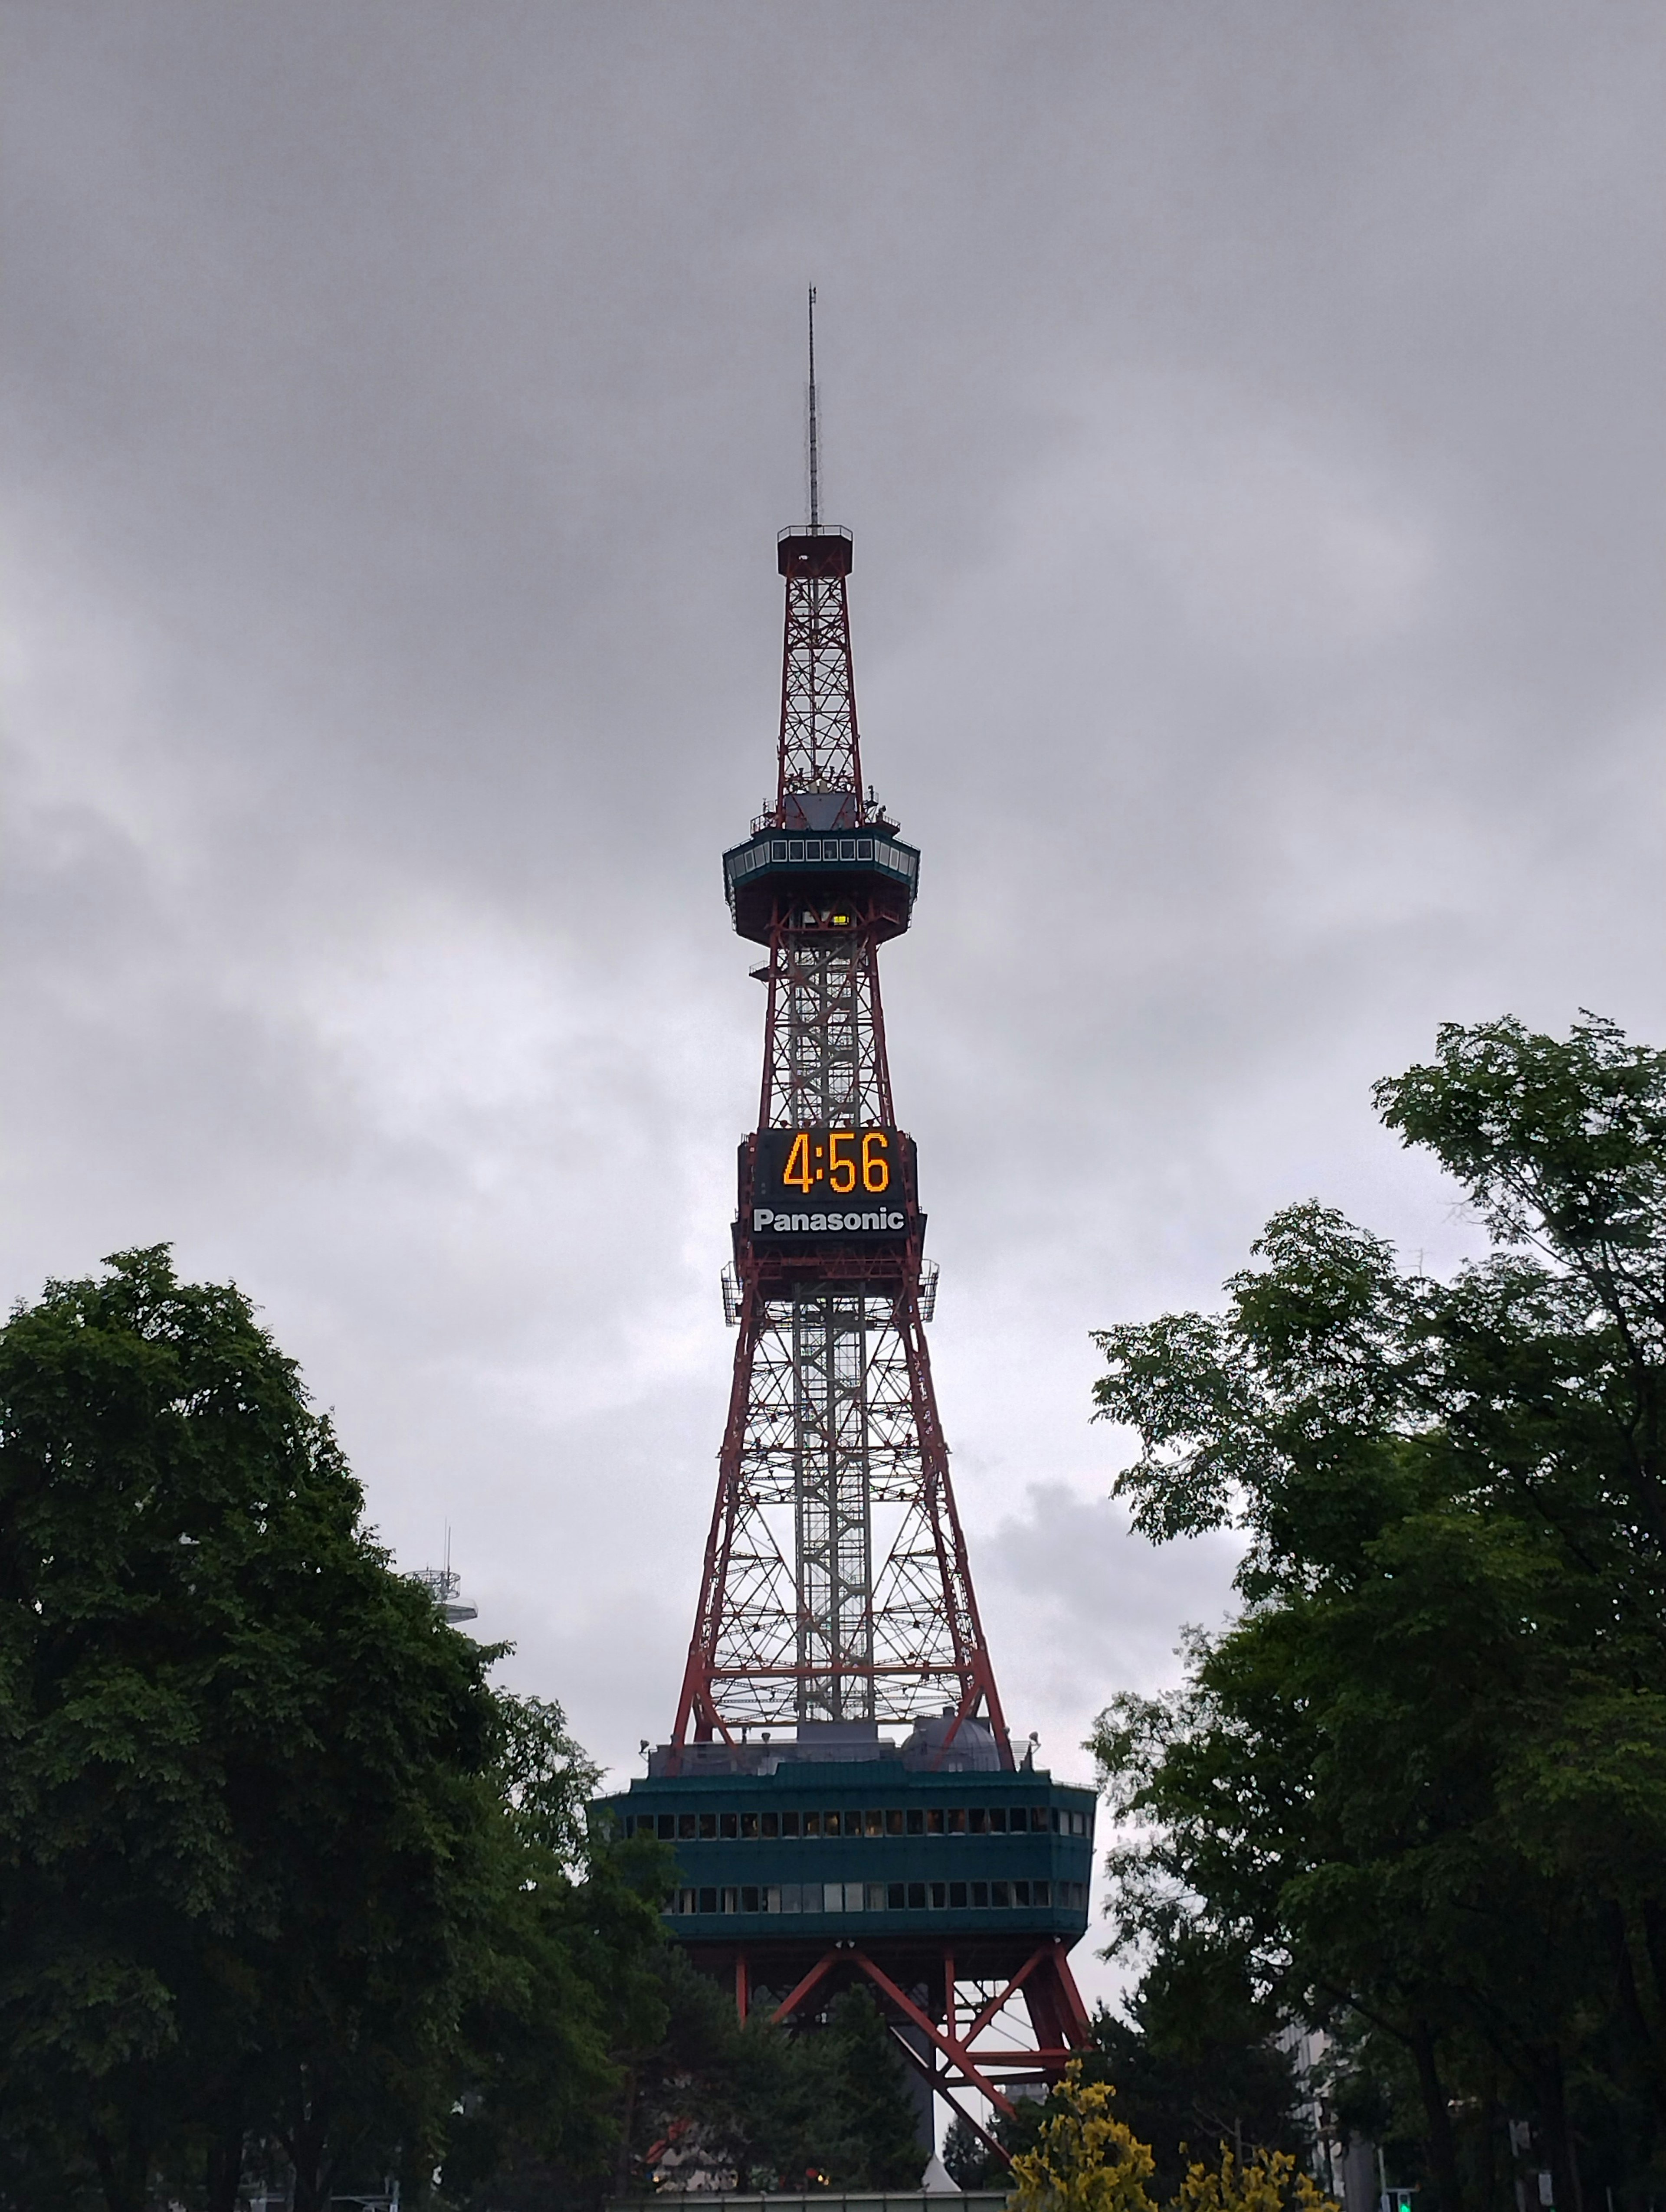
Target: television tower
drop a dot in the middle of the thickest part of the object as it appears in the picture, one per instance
(836, 1597)
(817, 1605)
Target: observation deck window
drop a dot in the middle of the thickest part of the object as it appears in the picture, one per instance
(847, 1897)
(873, 1821)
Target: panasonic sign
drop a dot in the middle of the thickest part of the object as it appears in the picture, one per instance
(875, 1222)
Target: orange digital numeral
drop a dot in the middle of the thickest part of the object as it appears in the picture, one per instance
(876, 1165)
(797, 1169)
(841, 1167)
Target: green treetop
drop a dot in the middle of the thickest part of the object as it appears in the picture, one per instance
(1421, 1782)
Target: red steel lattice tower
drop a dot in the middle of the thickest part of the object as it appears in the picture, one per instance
(835, 1586)
(814, 1850)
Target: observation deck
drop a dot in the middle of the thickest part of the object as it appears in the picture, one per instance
(865, 874)
(817, 1853)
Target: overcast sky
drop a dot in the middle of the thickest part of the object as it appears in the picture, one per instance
(1248, 414)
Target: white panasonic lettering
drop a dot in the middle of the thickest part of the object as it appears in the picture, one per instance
(800, 1225)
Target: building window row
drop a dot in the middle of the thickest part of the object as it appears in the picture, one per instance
(894, 1820)
(879, 1896)
(795, 850)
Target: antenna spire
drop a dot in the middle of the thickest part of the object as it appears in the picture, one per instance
(815, 449)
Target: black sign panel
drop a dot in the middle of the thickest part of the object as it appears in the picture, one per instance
(827, 1183)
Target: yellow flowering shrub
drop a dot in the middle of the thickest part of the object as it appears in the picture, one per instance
(1084, 2161)
(1266, 2181)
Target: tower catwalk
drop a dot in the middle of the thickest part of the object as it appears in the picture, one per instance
(835, 1599)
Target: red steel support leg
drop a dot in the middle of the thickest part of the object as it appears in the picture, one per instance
(958, 2052)
(1010, 1991)
(939, 2084)
(790, 2003)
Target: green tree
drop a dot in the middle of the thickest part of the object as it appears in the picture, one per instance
(865, 2130)
(248, 1820)
(826, 2105)
(1421, 1783)
(571, 2004)
(1194, 2062)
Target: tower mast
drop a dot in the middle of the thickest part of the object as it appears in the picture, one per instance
(815, 455)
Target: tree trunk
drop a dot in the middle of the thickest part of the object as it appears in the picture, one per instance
(224, 2169)
(1642, 1994)
(1443, 2150)
(1491, 2121)
(308, 2149)
(123, 2173)
(1559, 2138)
(622, 2163)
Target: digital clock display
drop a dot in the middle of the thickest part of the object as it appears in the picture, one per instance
(830, 1183)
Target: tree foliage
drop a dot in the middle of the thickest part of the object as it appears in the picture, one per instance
(1265, 2181)
(1081, 2155)
(1193, 2061)
(286, 1884)
(281, 1874)
(244, 1816)
(826, 2106)
(1421, 1782)
(1084, 2158)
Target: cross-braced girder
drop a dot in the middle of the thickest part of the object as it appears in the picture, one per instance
(830, 1446)
(824, 1034)
(820, 749)
(993, 2032)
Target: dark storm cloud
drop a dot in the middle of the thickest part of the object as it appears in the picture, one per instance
(1247, 417)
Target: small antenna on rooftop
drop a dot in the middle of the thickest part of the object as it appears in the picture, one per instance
(815, 448)
(444, 1585)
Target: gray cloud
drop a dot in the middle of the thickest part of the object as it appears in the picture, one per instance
(1247, 421)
